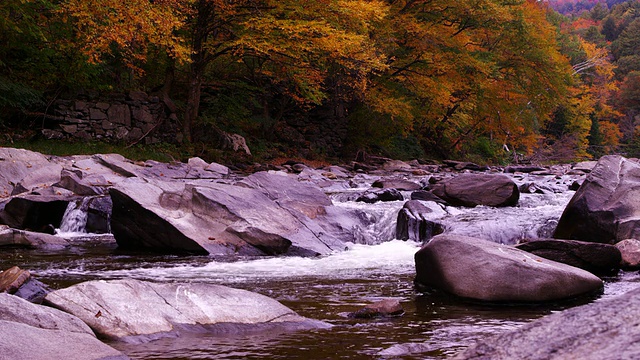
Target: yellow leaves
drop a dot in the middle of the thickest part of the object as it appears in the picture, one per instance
(131, 26)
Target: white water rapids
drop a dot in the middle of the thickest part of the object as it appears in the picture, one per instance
(434, 326)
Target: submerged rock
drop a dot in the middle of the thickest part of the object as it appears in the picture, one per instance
(606, 207)
(121, 309)
(604, 330)
(382, 308)
(483, 270)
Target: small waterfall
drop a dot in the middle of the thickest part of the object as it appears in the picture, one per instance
(74, 219)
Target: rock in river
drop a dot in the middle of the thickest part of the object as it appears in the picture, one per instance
(593, 257)
(603, 330)
(29, 331)
(215, 218)
(606, 208)
(120, 309)
(478, 189)
(483, 270)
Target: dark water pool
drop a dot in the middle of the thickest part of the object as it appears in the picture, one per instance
(434, 325)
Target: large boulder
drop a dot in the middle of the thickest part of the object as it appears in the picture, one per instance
(606, 207)
(604, 330)
(413, 221)
(212, 218)
(479, 269)
(121, 309)
(593, 257)
(478, 189)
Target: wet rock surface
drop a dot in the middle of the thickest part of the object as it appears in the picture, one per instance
(483, 270)
(122, 309)
(478, 189)
(604, 209)
(593, 257)
(607, 329)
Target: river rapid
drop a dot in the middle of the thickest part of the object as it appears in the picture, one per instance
(434, 326)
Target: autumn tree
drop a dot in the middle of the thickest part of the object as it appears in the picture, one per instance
(296, 42)
(460, 71)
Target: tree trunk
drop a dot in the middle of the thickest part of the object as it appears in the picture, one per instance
(199, 61)
(193, 103)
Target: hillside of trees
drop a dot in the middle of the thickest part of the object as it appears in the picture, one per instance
(482, 80)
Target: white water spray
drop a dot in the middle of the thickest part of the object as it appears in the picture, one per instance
(74, 220)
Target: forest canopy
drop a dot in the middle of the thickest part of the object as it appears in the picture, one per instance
(494, 80)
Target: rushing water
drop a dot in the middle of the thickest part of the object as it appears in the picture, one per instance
(74, 219)
(434, 325)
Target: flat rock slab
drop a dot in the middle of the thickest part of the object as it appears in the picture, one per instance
(20, 341)
(122, 309)
(15, 309)
(603, 330)
(483, 270)
(30, 239)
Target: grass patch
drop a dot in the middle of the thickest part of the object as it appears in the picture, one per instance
(159, 152)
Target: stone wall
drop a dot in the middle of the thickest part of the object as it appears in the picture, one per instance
(132, 117)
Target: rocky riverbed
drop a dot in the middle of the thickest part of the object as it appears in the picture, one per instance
(209, 220)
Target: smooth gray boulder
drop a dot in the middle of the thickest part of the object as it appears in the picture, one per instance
(478, 189)
(212, 218)
(606, 207)
(483, 270)
(20, 341)
(120, 309)
(604, 330)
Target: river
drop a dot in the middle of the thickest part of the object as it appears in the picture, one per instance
(327, 288)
